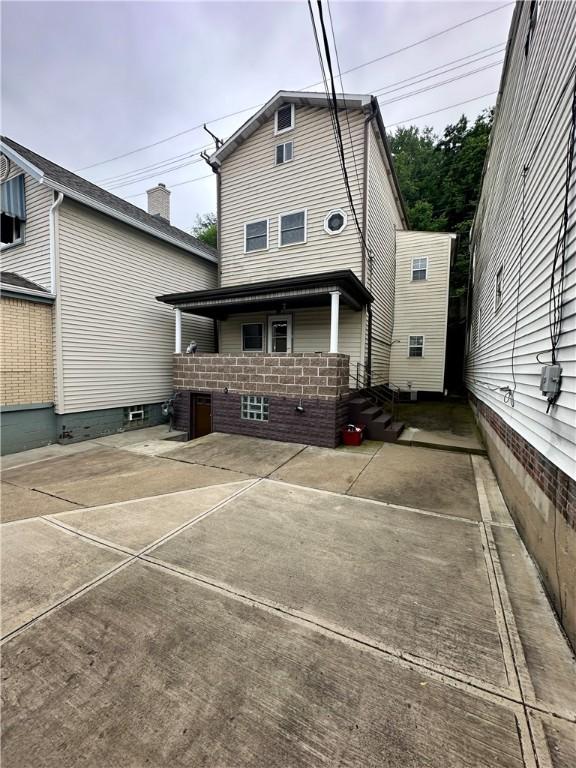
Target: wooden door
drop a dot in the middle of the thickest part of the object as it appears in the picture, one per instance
(202, 415)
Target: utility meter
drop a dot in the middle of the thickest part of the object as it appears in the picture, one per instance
(550, 381)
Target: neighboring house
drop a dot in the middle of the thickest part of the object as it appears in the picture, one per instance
(298, 282)
(523, 289)
(100, 261)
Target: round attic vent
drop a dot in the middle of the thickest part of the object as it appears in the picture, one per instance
(4, 167)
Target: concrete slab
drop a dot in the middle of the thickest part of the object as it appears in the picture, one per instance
(551, 664)
(19, 503)
(154, 447)
(323, 468)
(41, 454)
(442, 440)
(368, 446)
(150, 669)
(136, 436)
(250, 455)
(414, 582)
(135, 524)
(439, 481)
(41, 565)
(440, 424)
(498, 509)
(561, 739)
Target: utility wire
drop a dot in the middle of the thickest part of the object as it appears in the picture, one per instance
(178, 184)
(195, 152)
(154, 174)
(247, 109)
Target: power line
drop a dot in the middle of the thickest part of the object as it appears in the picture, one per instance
(442, 109)
(146, 177)
(178, 184)
(195, 152)
(345, 72)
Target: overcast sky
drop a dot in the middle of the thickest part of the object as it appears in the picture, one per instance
(86, 81)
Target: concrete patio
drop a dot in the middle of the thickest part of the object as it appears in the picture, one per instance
(235, 602)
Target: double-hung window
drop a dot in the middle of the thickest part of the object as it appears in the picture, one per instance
(416, 346)
(420, 269)
(256, 236)
(292, 228)
(252, 337)
(13, 211)
(284, 152)
(284, 120)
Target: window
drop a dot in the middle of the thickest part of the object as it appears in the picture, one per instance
(256, 236)
(284, 152)
(498, 289)
(293, 228)
(420, 269)
(253, 337)
(416, 346)
(13, 211)
(135, 413)
(335, 222)
(285, 118)
(280, 333)
(254, 408)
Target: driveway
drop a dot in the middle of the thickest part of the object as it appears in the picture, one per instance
(238, 602)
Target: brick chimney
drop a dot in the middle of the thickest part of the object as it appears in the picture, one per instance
(159, 201)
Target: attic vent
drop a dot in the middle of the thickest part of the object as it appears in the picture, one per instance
(4, 167)
(285, 118)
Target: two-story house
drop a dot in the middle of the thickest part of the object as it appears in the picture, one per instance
(86, 348)
(308, 279)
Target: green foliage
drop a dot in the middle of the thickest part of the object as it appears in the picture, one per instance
(206, 229)
(440, 181)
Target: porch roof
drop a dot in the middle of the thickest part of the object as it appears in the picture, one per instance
(283, 294)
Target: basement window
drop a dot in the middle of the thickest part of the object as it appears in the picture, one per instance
(284, 118)
(416, 346)
(284, 152)
(254, 408)
(135, 414)
(420, 269)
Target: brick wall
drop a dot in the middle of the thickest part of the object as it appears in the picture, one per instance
(26, 368)
(322, 376)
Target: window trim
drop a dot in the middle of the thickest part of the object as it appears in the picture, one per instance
(283, 144)
(332, 212)
(415, 258)
(290, 341)
(498, 288)
(410, 345)
(21, 240)
(292, 120)
(257, 221)
(264, 406)
(255, 322)
(291, 213)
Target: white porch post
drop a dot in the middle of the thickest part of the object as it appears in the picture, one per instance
(178, 331)
(334, 315)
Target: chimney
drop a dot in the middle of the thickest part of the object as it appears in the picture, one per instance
(159, 201)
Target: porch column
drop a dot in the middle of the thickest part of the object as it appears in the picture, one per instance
(178, 331)
(334, 314)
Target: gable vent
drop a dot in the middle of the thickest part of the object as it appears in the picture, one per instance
(4, 167)
(284, 118)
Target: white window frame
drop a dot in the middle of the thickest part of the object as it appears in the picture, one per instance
(292, 121)
(283, 144)
(257, 221)
(21, 240)
(410, 345)
(427, 268)
(256, 322)
(258, 405)
(499, 288)
(332, 212)
(290, 341)
(291, 213)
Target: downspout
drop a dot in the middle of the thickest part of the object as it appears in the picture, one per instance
(55, 287)
(365, 255)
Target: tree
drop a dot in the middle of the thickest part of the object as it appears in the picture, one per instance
(206, 229)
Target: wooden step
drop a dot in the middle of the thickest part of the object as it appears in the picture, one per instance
(393, 432)
(378, 426)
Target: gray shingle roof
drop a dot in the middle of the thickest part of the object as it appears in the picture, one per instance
(61, 176)
(13, 278)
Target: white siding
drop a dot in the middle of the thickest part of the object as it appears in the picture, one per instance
(530, 128)
(383, 220)
(117, 340)
(254, 188)
(421, 310)
(32, 259)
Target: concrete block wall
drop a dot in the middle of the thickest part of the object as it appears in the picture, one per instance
(321, 376)
(27, 365)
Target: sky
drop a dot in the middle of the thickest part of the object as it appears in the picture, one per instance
(83, 82)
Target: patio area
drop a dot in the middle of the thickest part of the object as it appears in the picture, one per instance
(234, 601)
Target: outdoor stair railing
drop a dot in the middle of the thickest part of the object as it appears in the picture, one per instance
(380, 393)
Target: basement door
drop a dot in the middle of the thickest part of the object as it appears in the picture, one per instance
(200, 415)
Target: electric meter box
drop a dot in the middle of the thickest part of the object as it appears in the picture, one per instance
(550, 380)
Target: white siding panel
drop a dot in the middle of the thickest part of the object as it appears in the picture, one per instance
(254, 188)
(531, 129)
(117, 340)
(421, 310)
(32, 258)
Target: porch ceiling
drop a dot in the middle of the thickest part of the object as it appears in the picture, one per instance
(285, 294)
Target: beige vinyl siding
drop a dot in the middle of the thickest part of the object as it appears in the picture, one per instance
(32, 258)
(254, 188)
(383, 220)
(117, 340)
(310, 328)
(530, 128)
(421, 309)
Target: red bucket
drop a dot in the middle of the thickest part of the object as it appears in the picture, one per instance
(353, 434)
